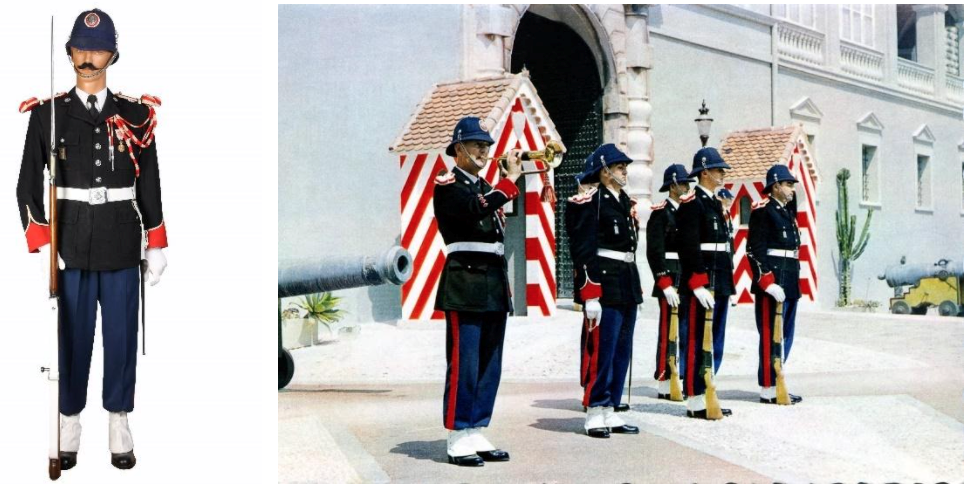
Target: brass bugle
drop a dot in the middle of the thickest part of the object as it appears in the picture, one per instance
(551, 156)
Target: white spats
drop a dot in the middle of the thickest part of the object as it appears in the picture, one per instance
(768, 392)
(459, 443)
(70, 433)
(611, 419)
(595, 418)
(119, 434)
(479, 442)
(664, 387)
(696, 404)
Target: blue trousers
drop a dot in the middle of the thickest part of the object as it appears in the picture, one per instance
(691, 321)
(607, 355)
(80, 293)
(765, 306)
(474, 362)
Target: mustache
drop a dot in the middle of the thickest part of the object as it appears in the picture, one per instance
(88, 65)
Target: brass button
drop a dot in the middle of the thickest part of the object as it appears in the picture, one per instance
(97, 146)
(97, 179)
(97, 130)
(97, 163)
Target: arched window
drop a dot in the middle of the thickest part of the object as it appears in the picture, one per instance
(744, 210)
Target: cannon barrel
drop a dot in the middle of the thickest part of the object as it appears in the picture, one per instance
(324, 275)
(899, 275)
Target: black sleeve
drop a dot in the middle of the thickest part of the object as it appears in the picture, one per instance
(149, 187)
(30, 185)
(452, 201)
(655, 232)
(758, 243)
(582, 232)
(689, 238)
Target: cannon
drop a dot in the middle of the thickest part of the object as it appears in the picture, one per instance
(312, 276)
(921, 286)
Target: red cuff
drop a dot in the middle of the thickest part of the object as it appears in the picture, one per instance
(158, 237)
(664, 282)
(37, 235)
(698, 280)
(507, 187)
(590, 290)
(766, 280)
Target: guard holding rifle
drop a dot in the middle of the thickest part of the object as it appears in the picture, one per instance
(603, 235)
(706, 263)
(663, 258)
(773, 243)
(474, 290)
(109, 219)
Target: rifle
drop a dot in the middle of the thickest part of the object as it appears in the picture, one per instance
(711, 393)
(672, 357)
(778, 356)
(53, 372)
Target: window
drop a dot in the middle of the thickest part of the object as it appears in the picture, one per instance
(800, 14)
(954, 39)
(923, 183)
(906, 32)
(744, 210)
(858, 24)
(870, 174)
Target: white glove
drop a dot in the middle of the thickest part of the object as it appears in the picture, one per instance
(672, 296)
(592, 310)
(704, 297)
(776, 291)
(156, 264)
(45, 262)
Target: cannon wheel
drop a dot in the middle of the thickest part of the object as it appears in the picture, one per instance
(948, 308)
(286, 368)
(920, 310)
(900, 307)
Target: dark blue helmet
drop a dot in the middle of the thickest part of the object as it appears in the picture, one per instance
(707, 158)
(674, 174)
(724, 193)
(93, 31)
(467, 129)
(607, 154)
(777, 173)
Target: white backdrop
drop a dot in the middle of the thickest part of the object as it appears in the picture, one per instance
(205, 407)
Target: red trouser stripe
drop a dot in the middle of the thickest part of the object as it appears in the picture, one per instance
(584, 358)
(691, 349)
(662, 335)
(766, 339)
(454, 373)
(595, 335)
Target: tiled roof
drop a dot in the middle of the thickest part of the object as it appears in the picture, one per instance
(431, 125)
(750, 153)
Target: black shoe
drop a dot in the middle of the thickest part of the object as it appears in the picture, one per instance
(795, 399)
(495, 455)
(124, 460)
(471, 460)
(726, 412)
(599, 433)
(625, 429)
(703, 414)
(622, 407)
(67, 460)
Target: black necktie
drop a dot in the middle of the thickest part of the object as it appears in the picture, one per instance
(93, 109)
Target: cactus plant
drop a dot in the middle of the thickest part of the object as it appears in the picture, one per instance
(849, 249)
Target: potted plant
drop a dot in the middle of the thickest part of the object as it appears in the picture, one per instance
(322, 308)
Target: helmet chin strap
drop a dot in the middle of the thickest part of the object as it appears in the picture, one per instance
(620, 182)
(476, 162)
(95, 73)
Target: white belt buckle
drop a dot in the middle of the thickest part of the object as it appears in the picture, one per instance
(97, 195)
(629, 257)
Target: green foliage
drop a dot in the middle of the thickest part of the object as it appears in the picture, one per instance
(849, 249)
(322, 307)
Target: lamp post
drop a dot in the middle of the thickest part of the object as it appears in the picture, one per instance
(704, 123)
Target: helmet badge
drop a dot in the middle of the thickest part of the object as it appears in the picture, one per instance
(92, 20)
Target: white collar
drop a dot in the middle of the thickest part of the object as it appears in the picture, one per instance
(472, 177)
(780, 204)
(674, 203)
(706, 190)
(616, 194)
(101, 97)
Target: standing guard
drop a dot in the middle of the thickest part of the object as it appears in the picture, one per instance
(603, 238)
(109, 220)
(474, 290)
(662, 256)
(707, 267)
(773, 243)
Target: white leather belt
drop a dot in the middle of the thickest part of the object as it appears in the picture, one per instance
(671, 256)
(714, 247)
(616, 255)
(783, 253)
(95, 195)
(495, 248)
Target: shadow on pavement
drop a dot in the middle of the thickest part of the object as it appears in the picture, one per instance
(739, 395)
(569, 425)
(572, 404)
(664, 408)
(302, 389)
(427, 450)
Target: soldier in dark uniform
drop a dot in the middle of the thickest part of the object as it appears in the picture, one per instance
(727, 199)
(110, 219)
(773, 243)
(662, 256)
(706, 263)
(474, 290)
(603, 238)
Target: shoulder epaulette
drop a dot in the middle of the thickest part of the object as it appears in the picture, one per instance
(688, 197)
(145, 99)
(633, 202)
(583, 198)
(659, 206)
(759, 204)
(444, 177)
(31, 103)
